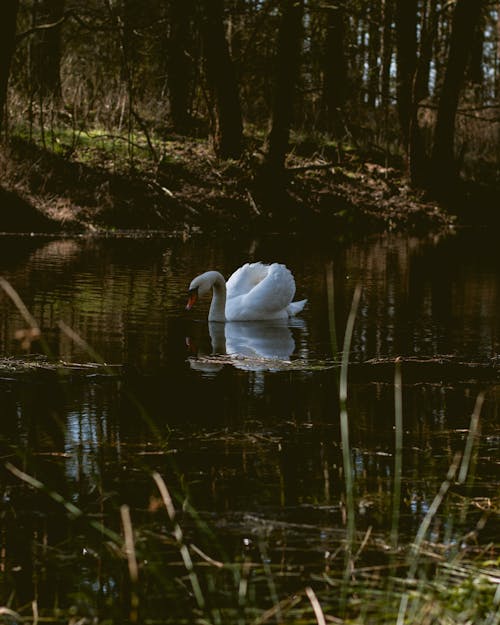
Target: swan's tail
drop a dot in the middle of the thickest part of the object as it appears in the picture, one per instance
(295, 307)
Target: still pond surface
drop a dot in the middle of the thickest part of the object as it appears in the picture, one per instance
(242, 422)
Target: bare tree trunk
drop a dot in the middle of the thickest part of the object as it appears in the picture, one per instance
(406, 41)
(428, 30)
(374, 53)
(386, 54)
(335, 67)
(442, 41)
(46, 49)
(179, 64)
(227, 118)
(418, 160)
(465, 19)
(476, 69)
(285, 78)
(8, 16)
(497, 77)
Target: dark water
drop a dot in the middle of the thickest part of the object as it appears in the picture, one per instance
(251, 447)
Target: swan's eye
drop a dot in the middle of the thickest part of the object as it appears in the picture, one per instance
(192, 297)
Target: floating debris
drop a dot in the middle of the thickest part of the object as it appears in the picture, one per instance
(15, 365)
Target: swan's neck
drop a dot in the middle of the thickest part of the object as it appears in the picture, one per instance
(218, 306)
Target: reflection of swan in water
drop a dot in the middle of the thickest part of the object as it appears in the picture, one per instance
(251, 345)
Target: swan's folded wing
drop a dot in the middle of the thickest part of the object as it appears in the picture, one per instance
(244, 279)
(273, 293)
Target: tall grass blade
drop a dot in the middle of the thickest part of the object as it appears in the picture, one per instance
(471, 438)
(330, 298)
(133, 569)
(73, 510)
(422, 532)
(20, 305)
(344, 420)
(82, 343)
(318, 612)
(33, 332)
(179, 537)
(398, 452)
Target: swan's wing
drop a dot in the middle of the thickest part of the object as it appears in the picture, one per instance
(245, 279)
(272, 294)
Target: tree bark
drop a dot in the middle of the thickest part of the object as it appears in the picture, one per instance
(386, 53)
(465, 19)
(374, 49)
(8, 17)
(46, 49)
(418, 159)
(285, 77)
(335, 67)
(475, 69)
(179, 64)
(428, 29)
(227, 117)
(406, 62)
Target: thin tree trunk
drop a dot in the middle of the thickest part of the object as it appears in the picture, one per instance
(476, 69)
(374, 53)
(227, 118)
(386, 54)
(8, 17)
(465, 19)
(497, 77)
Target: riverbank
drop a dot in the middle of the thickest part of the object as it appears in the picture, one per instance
(187, 190)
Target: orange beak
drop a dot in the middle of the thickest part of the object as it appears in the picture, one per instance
(192, 297)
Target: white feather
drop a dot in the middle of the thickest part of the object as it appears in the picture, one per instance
(254, 292)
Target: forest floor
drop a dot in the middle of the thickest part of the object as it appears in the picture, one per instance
(187, 190)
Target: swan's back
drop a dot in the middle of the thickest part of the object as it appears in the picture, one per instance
(246, 278)
(256, 291)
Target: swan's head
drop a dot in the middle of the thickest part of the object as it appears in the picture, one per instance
(200, 286)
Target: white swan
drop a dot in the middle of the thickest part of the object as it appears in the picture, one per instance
(255, 292)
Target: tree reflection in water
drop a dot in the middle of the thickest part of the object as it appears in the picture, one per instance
(255, 446)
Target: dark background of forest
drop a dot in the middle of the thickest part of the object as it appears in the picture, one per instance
(413, 83)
